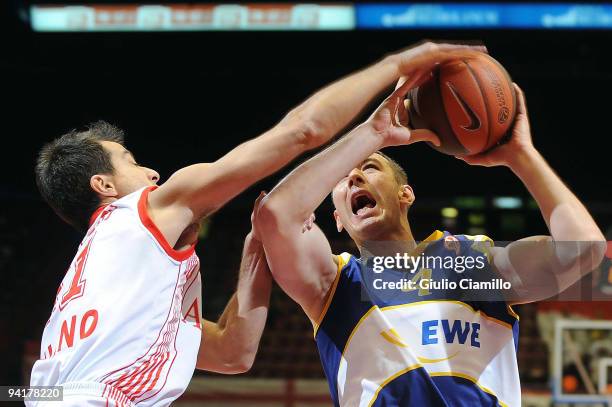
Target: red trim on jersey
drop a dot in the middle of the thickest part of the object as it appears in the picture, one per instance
(121, 378)
(158, 369)
(135, 389)
(178, 255)
(158, 373)
(95, 215)
(149, 382)
(160, 358)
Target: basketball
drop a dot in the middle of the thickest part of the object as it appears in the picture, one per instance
(469, 102)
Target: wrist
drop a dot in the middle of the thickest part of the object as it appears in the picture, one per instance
(523, 159)
(376, 138)
(392, 61)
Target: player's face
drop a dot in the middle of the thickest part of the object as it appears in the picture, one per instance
(128, 176)
(367, 200)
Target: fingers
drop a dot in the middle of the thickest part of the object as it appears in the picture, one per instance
(449, 52)
(396, 101)
(520, 98)
(260, 197)
(309, 223)
(469, 159)
(401, 81)
(425, 135)
(477, 159)
(408, 82)
(453, 54)
(427, 55)
(256, 205)
(400, 116)
(455, 47)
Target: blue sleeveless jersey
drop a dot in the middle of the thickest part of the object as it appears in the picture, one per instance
(422, 347)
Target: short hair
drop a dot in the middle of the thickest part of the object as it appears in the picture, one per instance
(65, 166)
(398, 171)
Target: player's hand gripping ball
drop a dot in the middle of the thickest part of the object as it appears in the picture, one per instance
(469, 102)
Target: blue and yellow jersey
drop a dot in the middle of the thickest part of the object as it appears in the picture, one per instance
(424, 347)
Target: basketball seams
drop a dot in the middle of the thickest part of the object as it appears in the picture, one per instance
(490, 108)
(486, 102)
(512, 91)
(457, 144)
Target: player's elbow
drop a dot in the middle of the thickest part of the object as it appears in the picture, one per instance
(596, 250)
(229, 360)
(586, 255)
(244, 364)
(240, 359)
(272, 216)
(237, 367)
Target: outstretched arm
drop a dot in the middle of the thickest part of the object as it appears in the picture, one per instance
(300, 258)
(198, 190)
(230, 345)
(542, 266)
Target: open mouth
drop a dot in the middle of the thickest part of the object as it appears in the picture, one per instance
(361, 201)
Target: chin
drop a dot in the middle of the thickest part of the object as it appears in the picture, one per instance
(370, 229)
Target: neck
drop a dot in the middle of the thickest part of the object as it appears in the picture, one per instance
(106, 200)
(390, 242)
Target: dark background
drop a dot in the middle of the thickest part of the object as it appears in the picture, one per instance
(190, 97)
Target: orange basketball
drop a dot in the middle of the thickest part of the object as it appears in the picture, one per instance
(469, 102)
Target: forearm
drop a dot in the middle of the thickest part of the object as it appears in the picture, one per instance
(245, 316)
(320, 174)
(230, 344)
(317, 119)
(565, 215)
(257, 158)
(332, 108)
(311, 124)
(542, 266)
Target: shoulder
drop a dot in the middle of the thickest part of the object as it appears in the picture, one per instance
(342, 259)
(474, 240)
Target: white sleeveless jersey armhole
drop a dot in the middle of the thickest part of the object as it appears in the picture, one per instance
(126, 319)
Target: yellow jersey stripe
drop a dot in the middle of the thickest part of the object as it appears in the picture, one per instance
(390, 379)
(473, 380)
(343, 259)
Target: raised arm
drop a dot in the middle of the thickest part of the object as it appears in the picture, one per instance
(198, 190)
(542, 266)
(300, 258)
(230, 345)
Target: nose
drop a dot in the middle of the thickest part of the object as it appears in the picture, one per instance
(356, 177)
(153, 175)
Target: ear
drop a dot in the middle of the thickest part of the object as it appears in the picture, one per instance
(406, 195)
(338, 222)
(103, 185)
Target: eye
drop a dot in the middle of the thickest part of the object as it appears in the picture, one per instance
(369, 166)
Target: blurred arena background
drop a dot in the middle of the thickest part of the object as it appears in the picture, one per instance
(189, 95)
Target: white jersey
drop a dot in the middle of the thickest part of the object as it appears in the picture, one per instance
(125, 325)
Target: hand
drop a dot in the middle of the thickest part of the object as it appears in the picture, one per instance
(254, 232)
(519, 142)
(309, 223)
(390, 120)
(421, 58)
